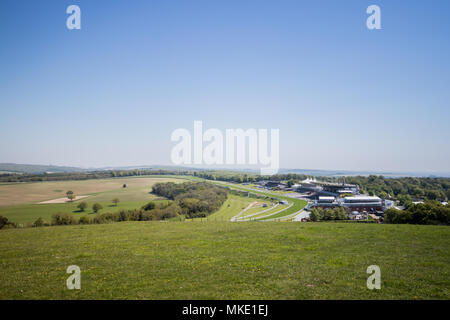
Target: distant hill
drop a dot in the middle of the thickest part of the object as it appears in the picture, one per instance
(35, 169)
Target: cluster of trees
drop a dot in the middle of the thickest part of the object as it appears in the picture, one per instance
(244, 177)
(58, 219)
(150, 212)
(96, 207)
(192, 199)
(322, 214)
(429, 212)
(403, 189)
(5, 223)
(154, 211)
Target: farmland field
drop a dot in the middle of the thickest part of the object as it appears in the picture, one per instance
(223, 260)
(19, 202)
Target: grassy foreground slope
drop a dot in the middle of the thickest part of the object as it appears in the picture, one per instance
(215, 260)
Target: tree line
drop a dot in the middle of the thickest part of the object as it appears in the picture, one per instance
(61, 176)
(230, 176)
(429, 212)
(404, 189)
(322, 214)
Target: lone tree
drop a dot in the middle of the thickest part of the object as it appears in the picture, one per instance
(82, 206)
(38, 223)
(96, 207)
(115, 201)
(124, 185)
(3, 221)
(70, 195)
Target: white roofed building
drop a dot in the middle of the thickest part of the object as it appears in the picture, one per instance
(363, 203)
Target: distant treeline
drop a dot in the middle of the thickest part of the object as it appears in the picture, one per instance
(244, 177)
(404, 189)
(429, 212)
(60, 176)
(229, 176)
(35, 169)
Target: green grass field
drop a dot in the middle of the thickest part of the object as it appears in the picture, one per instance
(258, 208)
(223, 260)
(297, 203)
(270, 212)
(232, 206)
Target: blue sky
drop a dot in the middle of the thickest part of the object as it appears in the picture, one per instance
(344, 97)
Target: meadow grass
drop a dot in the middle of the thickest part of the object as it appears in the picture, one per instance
(223, 260)
(258, 207)
(231, 207)
(271, 211)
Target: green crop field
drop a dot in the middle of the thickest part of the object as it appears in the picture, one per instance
(223, 260)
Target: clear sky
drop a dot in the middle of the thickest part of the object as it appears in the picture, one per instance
(344, 97)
